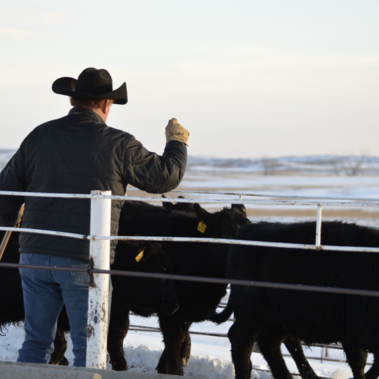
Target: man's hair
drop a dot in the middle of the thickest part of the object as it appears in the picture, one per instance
(88, 103)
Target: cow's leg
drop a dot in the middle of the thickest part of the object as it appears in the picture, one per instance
(294, 347)
(185, 350)
(356, 357)
(118, 328)
(60, 347)
(373, 372)
(173, 335)
(242, 337)
(162, 366)
(269, 342)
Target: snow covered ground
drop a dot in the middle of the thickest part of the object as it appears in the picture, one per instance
(292, 176)
(210, 355)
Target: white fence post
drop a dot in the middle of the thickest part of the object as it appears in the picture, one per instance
(99, 293)
(318, 227)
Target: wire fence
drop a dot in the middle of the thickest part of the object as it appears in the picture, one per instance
(318, 202)
(324, 349)
(251, 199)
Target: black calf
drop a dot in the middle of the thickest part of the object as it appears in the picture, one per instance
(272, 315)
(196, 300)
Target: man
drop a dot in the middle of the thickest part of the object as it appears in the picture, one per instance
(76, 154)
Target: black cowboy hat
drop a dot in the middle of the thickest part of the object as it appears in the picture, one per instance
(91, 84)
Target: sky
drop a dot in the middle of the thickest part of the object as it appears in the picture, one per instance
(247, 78)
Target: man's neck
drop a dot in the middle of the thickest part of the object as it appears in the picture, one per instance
(100, 113)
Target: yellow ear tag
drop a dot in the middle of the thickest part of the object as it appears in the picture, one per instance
(201, 227)
(139, 256)
(244, 210)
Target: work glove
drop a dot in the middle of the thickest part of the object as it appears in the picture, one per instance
(176, 132)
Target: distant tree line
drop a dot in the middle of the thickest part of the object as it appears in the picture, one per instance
(348, 165)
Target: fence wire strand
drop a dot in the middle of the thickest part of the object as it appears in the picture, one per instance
(247, 283)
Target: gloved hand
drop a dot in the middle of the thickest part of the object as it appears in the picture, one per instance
(176, 132)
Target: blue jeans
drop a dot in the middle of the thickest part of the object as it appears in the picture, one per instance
(45, 292)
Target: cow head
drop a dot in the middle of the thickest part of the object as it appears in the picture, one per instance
(221, 224)
(145, 294)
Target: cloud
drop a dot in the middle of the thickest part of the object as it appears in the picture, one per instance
(14, 32)
(49, 18)
(265, 72)
(31, 20)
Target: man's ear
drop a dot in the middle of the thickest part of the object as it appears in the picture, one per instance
(106, 106)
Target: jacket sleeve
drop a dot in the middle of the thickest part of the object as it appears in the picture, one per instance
(12, 178)
(151, 172)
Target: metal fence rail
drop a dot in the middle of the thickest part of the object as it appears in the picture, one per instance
(200, 240)
(247, 283)
(313, 201)
(244, 194)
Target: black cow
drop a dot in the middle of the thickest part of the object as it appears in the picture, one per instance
(137, 294)
(196, 300)
(11, 304)
(272, 315)
(293, 345)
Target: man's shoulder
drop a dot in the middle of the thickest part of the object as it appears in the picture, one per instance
(120, 133)
(108, 131)
(51, 123)
(38, 129)
(67, 120)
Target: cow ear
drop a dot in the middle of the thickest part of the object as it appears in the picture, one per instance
(202, 214)
(167, 205)
(143, 248)
(184, 207)
(142, 244)
(240, 207)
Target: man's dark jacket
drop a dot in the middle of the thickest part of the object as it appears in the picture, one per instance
(76, 154)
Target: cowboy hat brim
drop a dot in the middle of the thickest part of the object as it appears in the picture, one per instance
(66, 86)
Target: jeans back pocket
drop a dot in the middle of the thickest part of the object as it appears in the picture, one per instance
(25, 259)
(80, 278)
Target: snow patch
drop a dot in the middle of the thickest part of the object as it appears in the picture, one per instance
(341, 373)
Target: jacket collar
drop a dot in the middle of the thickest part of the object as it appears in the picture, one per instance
(86, 115)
